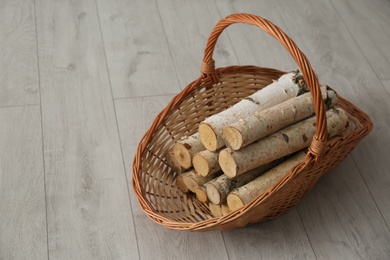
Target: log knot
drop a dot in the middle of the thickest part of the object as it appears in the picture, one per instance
(317, 147)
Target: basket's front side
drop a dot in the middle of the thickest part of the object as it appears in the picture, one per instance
(154, 182)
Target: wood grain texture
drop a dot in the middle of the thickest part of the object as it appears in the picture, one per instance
(187, 32)
(282, 238)
(154, 48)
(22, 204)
(386, 84)
(339, 63)
(154, 241)
(18, 54)
(251, 44)
(341, 218)
(88, 211)
(369, 24)
(138, 56)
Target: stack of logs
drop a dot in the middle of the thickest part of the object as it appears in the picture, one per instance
(239, 153)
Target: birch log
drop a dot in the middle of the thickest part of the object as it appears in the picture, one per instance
(246, 193)
(206, 162)
(279, 144)
(225, 209)
(185, 148)
(260, 124)
(215, 210)
(217, 189)
(172, 162)
(201, 194)
(286, 87)
(193, 180)
(180, 183)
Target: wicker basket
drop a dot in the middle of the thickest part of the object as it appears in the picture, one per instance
(216, 89)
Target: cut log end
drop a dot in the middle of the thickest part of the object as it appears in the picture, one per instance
(182, 155)
(201, 165)
(180, 184)
(215, 210)
(234, 202)
(225, 209)
(233, 138)
(172, 162)
(227, 163)
(213, 193)
(190, 183)
(201, 194)
(208, 137)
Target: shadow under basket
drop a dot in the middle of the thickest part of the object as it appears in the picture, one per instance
(154, 182)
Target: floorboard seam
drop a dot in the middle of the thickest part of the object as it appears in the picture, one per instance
(42, 135)
(354, 40)
(369, 192)
(169, 46)
(117, 126)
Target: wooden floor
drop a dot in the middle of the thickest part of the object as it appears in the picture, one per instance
(81, 81)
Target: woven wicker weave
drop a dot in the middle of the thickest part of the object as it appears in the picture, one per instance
(216, 89)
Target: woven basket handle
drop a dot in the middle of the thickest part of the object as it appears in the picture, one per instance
(317, 147)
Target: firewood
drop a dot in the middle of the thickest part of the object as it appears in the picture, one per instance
(185, 148)
(279, 144)
(225, 209)
(201, 194)
(206, 162)
(193, 180)
(215, 210)
(217, 189)
(246, 193)
(172, 162)
(287, 86)
(247, 130)
(180, 183)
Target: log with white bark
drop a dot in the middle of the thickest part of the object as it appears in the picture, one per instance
(260, 124)
(246, 193)
(217, 189)
(279, 144)
(206, 162)
(172, 162)
(193, 180)
(201, 194)
(287, 86)
(185, 148)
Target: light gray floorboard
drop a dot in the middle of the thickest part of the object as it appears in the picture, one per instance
(386, 84)
(22, 204)
(369, 24)
(339, 62)
(138, 55)
(154, 241)
(342, 220)
(107, 68)
(282, 238)
(251, 44)
(187, 32)
(88, 209)
(18, 54)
